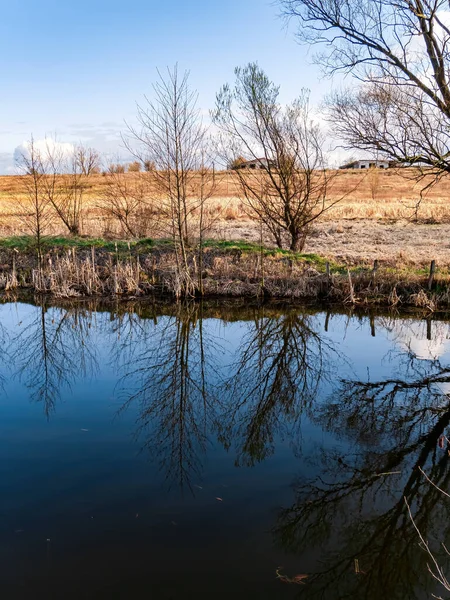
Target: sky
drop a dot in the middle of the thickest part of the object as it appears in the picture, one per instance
(75, 69)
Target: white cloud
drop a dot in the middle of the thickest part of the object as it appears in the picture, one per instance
(411, 336)
(44, 148)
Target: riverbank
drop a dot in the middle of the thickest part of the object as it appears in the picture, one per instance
(79, 268)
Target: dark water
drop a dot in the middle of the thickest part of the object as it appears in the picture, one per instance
(194, 452)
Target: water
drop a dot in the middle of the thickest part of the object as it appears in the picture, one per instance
(212, 452)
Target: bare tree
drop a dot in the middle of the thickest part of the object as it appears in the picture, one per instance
(399, 51)
(67, 178)
(125, 198)
(203, 187)
(171, 139)
(63, 171)
(67, 183)
(34, 201)
(286, 184)
(88, 160)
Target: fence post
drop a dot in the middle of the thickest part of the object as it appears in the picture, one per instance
(432, 273)
(328, 276)
(375, 268)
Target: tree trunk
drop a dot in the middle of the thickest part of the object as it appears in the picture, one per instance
(74, 229)
(298, 240)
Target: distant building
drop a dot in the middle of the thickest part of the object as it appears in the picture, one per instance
(256, 163)
(368, 164)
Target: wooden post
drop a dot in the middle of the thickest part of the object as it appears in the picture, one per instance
(372, 326)
(375, 268)
(432, 273)
(138, 271)
(327, 321)
(328, 277)
(429, 330)
(290, 264)
(352, 293)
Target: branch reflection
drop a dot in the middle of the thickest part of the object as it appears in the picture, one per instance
(354, 511)
(282, 361)
(52, 351)
(4, 353)
(172, 373)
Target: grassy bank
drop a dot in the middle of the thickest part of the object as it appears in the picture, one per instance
(85, 267)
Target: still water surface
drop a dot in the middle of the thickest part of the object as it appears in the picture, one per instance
(197, 452)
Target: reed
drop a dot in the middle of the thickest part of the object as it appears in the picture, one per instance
(241, 270)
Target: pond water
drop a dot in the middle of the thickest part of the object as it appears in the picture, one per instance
(221, 451)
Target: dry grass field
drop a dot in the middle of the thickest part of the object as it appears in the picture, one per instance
(374, 219)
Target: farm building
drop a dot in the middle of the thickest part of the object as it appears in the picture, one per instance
(368, 164)
(256, 163)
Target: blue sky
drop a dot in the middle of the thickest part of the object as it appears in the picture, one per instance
(77, 68)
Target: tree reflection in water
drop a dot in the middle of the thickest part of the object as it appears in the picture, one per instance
(281, 362)
(354, 510)
(52, 351)
(171, 371)
(187, 387)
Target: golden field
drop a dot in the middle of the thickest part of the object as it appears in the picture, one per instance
(372, 221)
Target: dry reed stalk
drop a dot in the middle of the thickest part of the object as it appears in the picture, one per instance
(223, 273)
(351, 288)
(435, 570)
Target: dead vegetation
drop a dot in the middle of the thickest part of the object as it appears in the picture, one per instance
(225, 272)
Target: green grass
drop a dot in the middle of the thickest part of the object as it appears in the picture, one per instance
(23, 242)
(316, 261)
(232, 245)
(27, 243)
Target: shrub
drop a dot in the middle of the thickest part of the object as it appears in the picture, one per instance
(134, 167)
